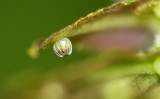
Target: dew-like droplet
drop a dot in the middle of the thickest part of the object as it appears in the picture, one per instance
(63, 47)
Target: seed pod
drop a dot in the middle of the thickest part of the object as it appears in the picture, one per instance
(63, 47)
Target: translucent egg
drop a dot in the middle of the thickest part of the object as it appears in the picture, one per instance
(63, 47)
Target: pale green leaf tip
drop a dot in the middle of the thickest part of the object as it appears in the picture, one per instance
(157, 65)
(128, 2)
(33, 52)
(156, 9)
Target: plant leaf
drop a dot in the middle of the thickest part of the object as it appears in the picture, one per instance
(129, 13)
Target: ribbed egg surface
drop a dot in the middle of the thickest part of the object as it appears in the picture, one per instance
(63, 47)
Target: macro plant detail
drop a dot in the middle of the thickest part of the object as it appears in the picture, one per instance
(124, 40)
(99, 49)
(131, 13)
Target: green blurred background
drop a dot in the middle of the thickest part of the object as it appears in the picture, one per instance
(23, 21)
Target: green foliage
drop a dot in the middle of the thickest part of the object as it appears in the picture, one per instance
(123, 72)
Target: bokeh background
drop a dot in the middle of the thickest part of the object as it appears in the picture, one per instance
(117, 72)
(22, 22)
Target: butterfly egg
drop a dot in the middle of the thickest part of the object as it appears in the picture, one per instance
(63, 47)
